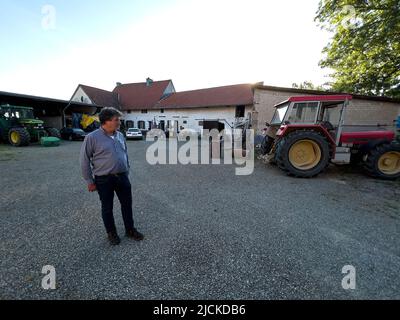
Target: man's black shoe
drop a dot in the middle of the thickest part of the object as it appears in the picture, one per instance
(135, 235)
(114, 239)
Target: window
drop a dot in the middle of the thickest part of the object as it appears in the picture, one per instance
(162, 110)
(185, 122)
(141, 125)
(129, 111)
(332, 113)
(280, 114)
(303, 112)
(144, 111)
(130, 124)
(240, 110)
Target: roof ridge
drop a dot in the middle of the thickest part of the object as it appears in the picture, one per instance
(84, 85)
(327, 92)
(217, 87)
(143, 82)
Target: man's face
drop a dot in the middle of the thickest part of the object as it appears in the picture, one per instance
(113, 124)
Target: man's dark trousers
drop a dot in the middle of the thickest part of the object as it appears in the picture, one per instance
(120, 184)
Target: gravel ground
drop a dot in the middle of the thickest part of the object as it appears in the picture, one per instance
(209, 233)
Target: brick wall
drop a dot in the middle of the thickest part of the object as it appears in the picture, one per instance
(360, 111)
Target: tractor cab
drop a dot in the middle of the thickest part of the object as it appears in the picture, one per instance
(321, 113)
(306, 134)
(21, 115)
(324, 111)
(19, 127)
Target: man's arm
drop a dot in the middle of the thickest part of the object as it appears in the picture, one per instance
(85, 159)
(127, 157)
(126, 150)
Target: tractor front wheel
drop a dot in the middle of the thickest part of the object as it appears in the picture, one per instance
(303, 154)
(384, 161)
(266, 145)
(19, 137)
(53, 132)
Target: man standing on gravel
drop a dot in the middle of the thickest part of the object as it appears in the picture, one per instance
(105, 167)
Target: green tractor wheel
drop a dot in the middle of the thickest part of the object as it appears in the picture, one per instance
(19, 137)
(53, 132)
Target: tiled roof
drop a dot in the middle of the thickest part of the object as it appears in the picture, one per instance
(241, 94)
(101, 97)
(136, 96)
(143, 95)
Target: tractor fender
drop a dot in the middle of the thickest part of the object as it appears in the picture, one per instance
(286, 129)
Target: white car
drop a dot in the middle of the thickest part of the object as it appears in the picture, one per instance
(134, 133)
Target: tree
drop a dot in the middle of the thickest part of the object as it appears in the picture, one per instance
(364, 52)
(308, 85)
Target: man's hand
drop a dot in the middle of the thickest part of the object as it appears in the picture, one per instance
(92, 187)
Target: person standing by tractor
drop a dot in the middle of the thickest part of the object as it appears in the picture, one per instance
(105, 167)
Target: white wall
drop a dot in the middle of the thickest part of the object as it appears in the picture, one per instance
(170, 89)
(78, 96)
(191, 115)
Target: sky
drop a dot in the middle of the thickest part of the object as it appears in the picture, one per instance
(49, 47)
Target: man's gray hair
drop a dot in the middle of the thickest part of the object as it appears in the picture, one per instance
(108, 113)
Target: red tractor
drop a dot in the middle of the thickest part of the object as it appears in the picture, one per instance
(308, 132)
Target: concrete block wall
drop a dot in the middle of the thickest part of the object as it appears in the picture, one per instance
(361, 112)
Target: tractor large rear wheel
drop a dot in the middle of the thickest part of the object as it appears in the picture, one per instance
(303, 153)
(384, 161)
(19, 137)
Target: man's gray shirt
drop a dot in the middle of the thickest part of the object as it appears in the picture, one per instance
(102, 155)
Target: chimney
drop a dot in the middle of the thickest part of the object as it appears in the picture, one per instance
(149, 81)
(119, 84)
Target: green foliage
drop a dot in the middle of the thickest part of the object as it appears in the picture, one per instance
(364, 51)
(308, 85)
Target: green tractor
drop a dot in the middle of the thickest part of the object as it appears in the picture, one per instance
(19, 127)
